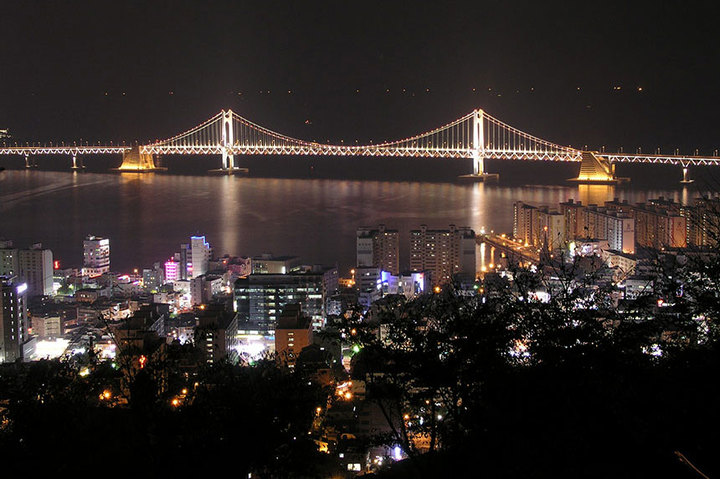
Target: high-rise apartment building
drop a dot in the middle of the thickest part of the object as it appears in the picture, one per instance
(13, 319)
(543, 227)
(617, 227)
(378, 248)
(656, 227)
(443, 253)
(96, 256)
(549, 229)
(574, 224)
(704, 222)
(200, 255)
(524, 222)
(36, 269)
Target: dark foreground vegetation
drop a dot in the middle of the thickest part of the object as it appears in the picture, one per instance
(499, 384)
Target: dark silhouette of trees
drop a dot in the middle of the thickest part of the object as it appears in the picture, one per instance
(568, 386)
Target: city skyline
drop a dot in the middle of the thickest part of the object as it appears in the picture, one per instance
(332, 239)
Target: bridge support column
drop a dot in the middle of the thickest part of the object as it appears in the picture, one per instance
(478, 151)
(228, 160)
(685, 179)
(596, 169)
(478, 164)
(27, 161)
(77, 162)
(135, 160)
(227, 140)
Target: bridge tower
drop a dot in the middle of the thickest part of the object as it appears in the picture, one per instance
(478, 145)
(228, 159)
(478, 151)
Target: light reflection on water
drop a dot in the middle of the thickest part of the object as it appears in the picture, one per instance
(147, 216)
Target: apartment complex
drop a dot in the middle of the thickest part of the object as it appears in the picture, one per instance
(443, 253)
(379, 248)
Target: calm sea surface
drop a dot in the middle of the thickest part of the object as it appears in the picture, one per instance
(147, 216)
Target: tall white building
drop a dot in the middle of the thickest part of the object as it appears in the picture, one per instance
(200, 253)
(96, 256)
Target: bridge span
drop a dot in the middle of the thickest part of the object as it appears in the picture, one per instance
(477, 136)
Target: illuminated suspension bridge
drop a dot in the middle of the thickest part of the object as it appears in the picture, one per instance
(477, 136)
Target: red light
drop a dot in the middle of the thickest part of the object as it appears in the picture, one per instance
(56, 264)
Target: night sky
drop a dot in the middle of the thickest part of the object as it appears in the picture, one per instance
(363, 70)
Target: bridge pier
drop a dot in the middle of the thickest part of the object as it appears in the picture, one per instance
(479, 175)
(27, 161)
(594, 169)
(685, 179)
(136, 161)
(77, 165)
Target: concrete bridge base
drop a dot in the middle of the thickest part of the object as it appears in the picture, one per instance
(136, 162)
(481, 178)
(594, 169)
(230, 171)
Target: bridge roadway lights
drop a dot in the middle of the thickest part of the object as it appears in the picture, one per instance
(480, 178)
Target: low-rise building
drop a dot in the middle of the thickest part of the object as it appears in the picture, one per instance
(293, 332)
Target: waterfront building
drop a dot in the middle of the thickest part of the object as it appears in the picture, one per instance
(96, 256)
(524, 223)
(656, 227)
(443, 253)
(549, 229)
(574, 224)
(378, 248)
(704, 222)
